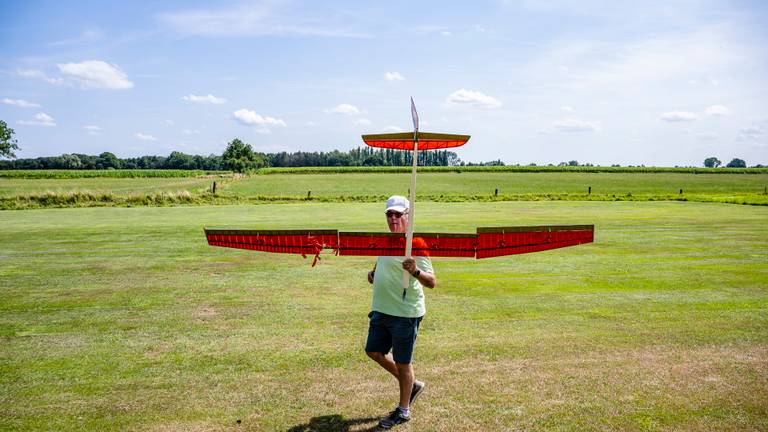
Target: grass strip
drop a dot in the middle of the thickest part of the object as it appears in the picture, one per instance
(507, 168)
(111, 173)
(164, 199)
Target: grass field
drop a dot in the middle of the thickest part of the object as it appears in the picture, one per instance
(508, 169)
(108, 173)
(146, 185)
(124, 319)
(462, 184)
(20, 193)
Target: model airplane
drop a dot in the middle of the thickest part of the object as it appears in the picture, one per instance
(486, 243)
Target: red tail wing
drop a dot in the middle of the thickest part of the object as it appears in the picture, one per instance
(404, 140)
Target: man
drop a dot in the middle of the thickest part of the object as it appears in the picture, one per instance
(397, 313)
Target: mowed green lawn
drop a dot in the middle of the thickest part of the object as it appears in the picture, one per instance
(486, 183)
(124, 319)
(143, 185)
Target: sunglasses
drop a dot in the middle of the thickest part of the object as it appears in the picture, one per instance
(394, 214)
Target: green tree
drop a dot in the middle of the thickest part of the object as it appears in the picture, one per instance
(179, 160)
(712, 162)
(70, 161)
(239, 157)
(737, 163)
(108, 160)
(7, 143)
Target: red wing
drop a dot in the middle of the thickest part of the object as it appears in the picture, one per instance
(404, 140)
(487, 243)
(492, 242)
(305, 242)
(393, 244)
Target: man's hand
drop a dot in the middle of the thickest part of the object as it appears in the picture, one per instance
(370, 276)
(425, 278)
(409, 264)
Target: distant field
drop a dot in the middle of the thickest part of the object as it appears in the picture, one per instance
(24, 193)
(485, 183)
(142, 185)
(510, 168)
(127, 173)
(124, 319)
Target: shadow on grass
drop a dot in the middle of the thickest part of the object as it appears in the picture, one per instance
(335, 423)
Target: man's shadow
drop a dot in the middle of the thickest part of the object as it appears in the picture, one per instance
(335, 423)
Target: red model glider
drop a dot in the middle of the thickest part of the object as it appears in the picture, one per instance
(486, 243)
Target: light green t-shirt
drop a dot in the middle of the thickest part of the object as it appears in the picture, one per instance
(388, 288)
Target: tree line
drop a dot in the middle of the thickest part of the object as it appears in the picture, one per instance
(238, 157)
(713, 162)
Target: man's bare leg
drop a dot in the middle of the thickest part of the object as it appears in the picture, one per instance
(386, 362)
(403, 373)
(405, 378)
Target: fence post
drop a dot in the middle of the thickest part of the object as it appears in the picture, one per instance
(309, 194)
(589, 191)
(214, 188)
(681, 191)
(496, 192)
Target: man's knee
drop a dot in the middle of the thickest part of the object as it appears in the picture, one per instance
(377, 356)
(405, 367)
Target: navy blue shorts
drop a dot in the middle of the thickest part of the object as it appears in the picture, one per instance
(387, 332)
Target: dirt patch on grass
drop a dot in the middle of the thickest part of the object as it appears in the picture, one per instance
(186, 426)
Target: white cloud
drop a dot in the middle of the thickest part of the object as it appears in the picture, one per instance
(345, 109)
(144, 137)
(679, 116)
(445, 33)
(253, 19)
(363, 121)
(92, 129)
(41, 119)
(575, 125)
(474, 98)
(566, 108)
(30, 73)
(169, 122)
(392, 129)
(34, 73)
(96, 74)
(250, 118)
(190, 132)
(86, 36)
(707, 136)
(756, 132)
(717, 110)
(21, 103)
(208, 99)
(393, 76)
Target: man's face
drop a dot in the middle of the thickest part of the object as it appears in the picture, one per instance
(398, 222)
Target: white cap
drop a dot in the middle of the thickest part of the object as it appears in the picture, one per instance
(398, 203)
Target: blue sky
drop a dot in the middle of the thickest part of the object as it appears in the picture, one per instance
(654, 83)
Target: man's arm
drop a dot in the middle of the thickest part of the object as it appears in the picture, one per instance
(424, 277)
(371, 274)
